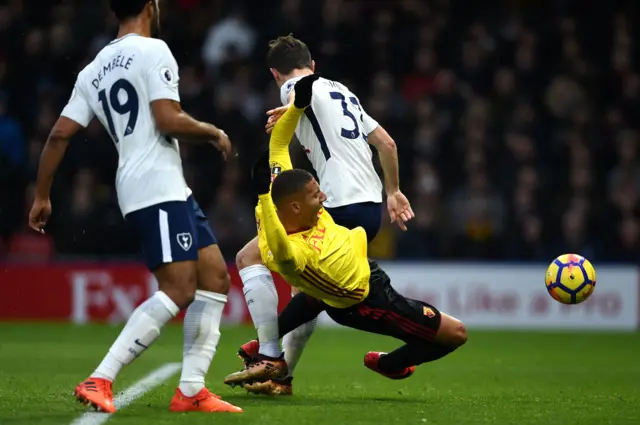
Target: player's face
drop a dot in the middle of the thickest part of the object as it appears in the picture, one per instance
(312, 203)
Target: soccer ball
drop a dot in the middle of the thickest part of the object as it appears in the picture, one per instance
(570, 279)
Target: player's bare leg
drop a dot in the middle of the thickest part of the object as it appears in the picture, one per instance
(201, 335)
(177, 285)
(262, 298)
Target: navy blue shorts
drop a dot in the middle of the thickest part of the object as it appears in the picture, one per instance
(367, 215)
(171, 231)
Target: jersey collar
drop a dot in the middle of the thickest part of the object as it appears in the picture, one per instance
(117, 40)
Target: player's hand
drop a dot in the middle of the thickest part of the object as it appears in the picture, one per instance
(274, 115)
(223, 144)
(399, 209)
(261, 173)
(39, 214)
(303, 89)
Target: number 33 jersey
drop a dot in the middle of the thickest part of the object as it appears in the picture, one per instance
(333, 132)
(118, 88)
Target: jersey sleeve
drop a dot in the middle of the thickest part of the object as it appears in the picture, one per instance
(286, 90)
(162, 73)
(368, 123)
(78, 108)
(283, 132)
(287, 255)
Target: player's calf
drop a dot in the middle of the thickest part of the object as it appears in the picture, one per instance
(201, 323)
(261, 296)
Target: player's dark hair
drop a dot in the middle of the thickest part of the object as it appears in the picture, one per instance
(287, 53)
(289, 183)
(124, 9)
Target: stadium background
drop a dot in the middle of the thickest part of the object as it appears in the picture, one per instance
(515, 123)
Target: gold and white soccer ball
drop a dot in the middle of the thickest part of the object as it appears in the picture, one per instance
(570, 279)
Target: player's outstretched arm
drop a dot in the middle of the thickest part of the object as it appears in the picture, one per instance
(276, 235)
(174, 122)
(398, 205)
(50, 158)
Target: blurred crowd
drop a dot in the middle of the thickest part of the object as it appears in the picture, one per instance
(516, 121)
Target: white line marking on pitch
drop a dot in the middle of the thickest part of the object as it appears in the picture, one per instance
(127, 397)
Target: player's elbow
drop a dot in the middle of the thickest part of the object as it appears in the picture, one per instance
(63, 130)
(165, 113)
(382, 140)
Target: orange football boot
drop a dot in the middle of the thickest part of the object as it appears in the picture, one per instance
(96, 392)
(372, 359)
(271, 387)
(204, 401)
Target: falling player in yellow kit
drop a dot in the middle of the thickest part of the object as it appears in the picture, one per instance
(328, 263)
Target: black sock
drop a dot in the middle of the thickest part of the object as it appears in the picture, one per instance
(412, 355)
(301, 309)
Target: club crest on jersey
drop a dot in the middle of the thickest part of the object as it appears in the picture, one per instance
(167, 76)
(428, 312)
(184, 240)
(275, 171)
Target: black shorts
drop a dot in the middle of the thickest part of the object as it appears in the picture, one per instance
(386, 312)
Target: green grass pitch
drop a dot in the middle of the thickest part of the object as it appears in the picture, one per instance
(497, 378)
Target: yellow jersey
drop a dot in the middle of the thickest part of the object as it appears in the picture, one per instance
(329, 262)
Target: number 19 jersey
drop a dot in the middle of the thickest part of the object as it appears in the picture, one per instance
(333, 132)
(118, 88)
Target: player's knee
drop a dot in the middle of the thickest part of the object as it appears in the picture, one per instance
(220, 281)
(249, 255)
(212, 271)
(452, 332)
(178, 281)
(459, 336)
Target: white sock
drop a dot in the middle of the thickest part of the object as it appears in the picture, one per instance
(201, 336)
(294, 343)
(262, 301)
(141, 330)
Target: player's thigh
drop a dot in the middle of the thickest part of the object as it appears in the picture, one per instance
(249, 255)
(212, 268)
(400, 317)
(167, 236)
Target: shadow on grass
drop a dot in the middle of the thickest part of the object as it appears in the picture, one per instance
(243, 400)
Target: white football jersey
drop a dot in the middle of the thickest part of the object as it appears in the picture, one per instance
(333, 133)
(118, 88)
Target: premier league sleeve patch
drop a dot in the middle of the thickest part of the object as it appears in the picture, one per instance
(167, 76)
(289, 87)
